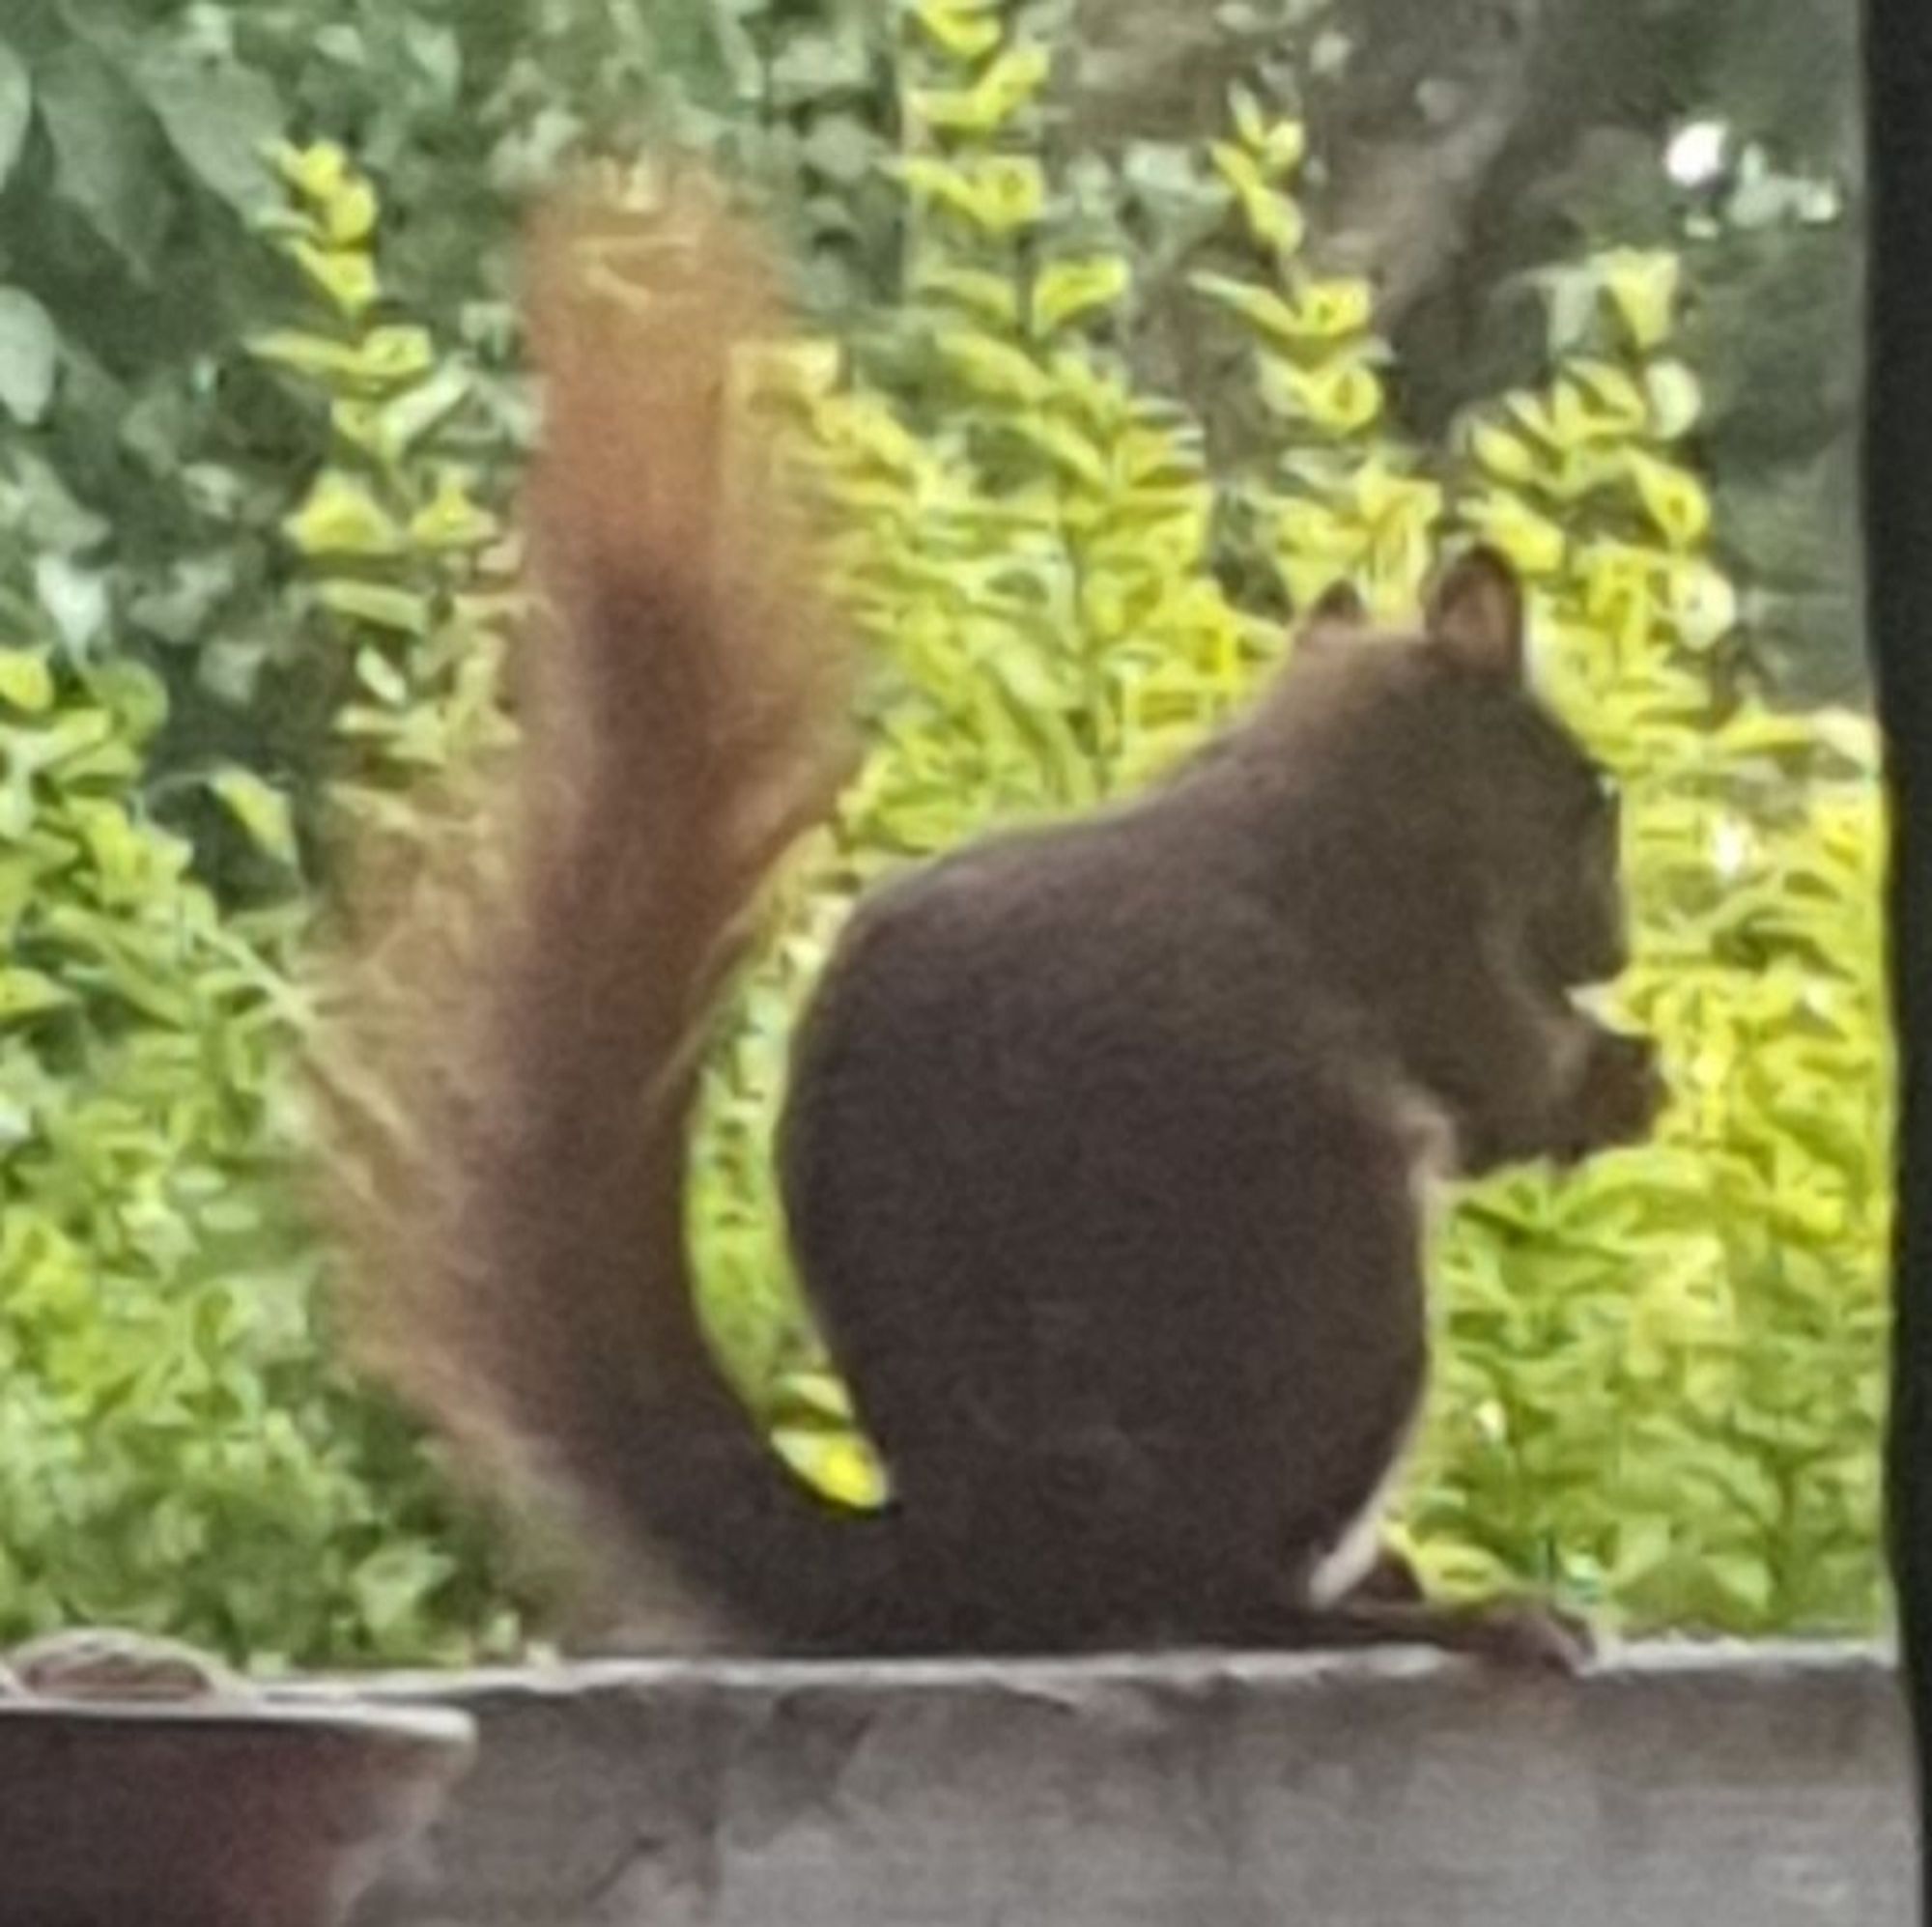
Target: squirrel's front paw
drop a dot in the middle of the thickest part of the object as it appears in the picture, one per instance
(1618, 1098)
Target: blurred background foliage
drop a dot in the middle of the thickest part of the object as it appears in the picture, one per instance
(1128, 326)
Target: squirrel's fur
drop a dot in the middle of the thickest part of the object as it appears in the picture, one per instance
(1104, 1146)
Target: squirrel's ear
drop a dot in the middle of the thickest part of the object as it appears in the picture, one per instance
(1475, 614)
(1338, 611)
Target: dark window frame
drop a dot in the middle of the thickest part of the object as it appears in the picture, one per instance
(1898, 539)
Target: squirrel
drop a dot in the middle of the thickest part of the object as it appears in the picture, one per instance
(1107, 1143)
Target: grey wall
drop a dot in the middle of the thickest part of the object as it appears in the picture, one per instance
(1695, 1786)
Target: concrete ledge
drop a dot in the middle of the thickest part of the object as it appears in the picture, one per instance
(1706, 1786)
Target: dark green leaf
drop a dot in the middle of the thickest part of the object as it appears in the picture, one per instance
(219, 118)
(29, 355)
(16, 109)
(109, 161)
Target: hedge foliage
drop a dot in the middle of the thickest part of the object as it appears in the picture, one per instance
(262, 573)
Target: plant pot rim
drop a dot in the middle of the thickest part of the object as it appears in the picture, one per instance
(437, 1729)
(214, 1812)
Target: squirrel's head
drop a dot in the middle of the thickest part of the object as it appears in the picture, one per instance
(1461, 755)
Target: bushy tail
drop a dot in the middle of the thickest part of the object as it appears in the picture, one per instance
(513, 1069)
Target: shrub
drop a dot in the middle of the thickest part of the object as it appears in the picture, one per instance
(1663, 1374)
(180, 1452)
(1659, 1378)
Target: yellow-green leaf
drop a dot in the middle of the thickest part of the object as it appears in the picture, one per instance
(262, 812)
(1675, 499)
(1282, 148)
(1069, 450)
(967, 32)
(361, 423)
(1616, 402)
(342, 518)
(381, 678)
(25, 680)
(30, 993)
(133, 694)
(345, 276)
(1314, 528)
(349, 212)
(1534, 543)
(992, 366)
(1326, 309)
(1077, 287)
(452, 519)
(1009, 193)
(397, 610)
(1341, 397)
(1239, 168)
(1703, 601)
(839, 1463)
(385, 357)
(1675, 398)
(1642, 287)
(1502, 454)
(993, 99)
(986, 296)
(396, 355)
(1273, 217)
(316, 171)
(311, 355)
(1322, 311)
(1275, 221)
(1249, 121)
(999, 195)
(1261, 306)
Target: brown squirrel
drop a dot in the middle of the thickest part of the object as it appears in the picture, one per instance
(1105, 1142)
